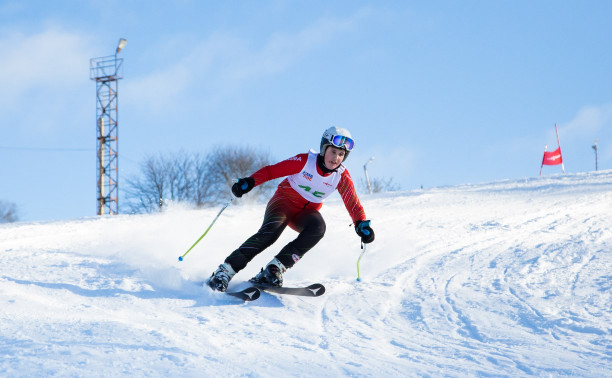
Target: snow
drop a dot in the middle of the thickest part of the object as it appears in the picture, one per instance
(508, 278)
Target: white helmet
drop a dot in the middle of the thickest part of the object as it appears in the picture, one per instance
(337, 137)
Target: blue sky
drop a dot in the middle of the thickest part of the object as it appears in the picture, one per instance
(440, 92)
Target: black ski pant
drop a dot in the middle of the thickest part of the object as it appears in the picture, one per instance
(280, 213)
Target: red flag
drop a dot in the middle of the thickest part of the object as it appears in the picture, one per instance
(553, 157)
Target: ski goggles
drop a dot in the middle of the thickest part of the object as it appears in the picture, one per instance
(342, 142)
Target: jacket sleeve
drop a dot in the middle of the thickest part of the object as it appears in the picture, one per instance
(287, 167)
(346, 188)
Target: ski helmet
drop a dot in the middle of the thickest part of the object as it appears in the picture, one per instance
(337, 137)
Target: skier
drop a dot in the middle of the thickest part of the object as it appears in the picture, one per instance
(311, 177)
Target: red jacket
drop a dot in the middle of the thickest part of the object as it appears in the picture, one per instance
(294, 165)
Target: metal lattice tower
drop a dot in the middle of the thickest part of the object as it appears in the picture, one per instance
(106, 71)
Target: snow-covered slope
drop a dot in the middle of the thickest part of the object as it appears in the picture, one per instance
(505, 278)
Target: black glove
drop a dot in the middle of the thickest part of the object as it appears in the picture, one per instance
(364, 230)
(243, 186)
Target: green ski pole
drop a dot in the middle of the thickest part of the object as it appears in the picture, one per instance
(363, 246)
(208, 229)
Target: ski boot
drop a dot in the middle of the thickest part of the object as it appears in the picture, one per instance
(221, 277)
(272, 275)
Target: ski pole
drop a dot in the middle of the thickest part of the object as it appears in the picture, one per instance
(208, 229)
(363, 246)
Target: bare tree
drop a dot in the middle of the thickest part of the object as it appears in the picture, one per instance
(203, 188)
(228, 163)
(162, 179)
(8, 212)
(179, 177)
(146, 192)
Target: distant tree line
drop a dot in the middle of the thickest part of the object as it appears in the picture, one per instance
(196, 179)
(8, 212)
(379, 185)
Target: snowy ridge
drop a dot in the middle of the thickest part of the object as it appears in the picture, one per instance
(505, 278)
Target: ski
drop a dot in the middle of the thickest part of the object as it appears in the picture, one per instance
(313, 290)
(248, 294)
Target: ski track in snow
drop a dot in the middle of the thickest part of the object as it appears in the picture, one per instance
(510, 278)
